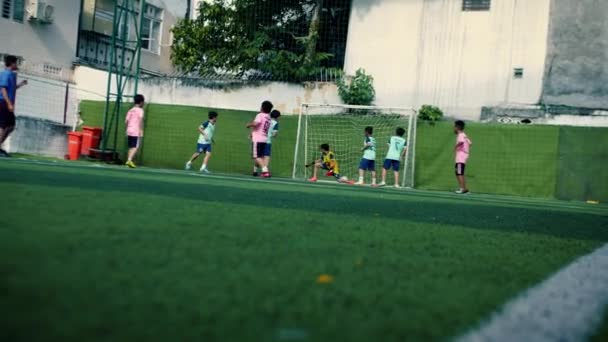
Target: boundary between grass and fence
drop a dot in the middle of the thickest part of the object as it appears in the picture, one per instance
(551, 204)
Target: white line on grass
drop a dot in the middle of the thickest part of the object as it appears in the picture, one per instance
(568, 306)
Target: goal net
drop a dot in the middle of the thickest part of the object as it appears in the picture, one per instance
(342, 127)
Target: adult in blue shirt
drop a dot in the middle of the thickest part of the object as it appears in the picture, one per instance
(8, 90)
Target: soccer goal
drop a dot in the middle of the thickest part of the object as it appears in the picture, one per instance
(342, 126)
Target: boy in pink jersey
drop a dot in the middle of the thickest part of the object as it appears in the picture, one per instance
(463, 145)
(259, 137)
(135, 128)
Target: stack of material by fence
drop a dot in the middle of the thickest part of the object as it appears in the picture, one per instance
(39, 137)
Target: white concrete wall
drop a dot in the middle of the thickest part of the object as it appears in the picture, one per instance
(44, 43)
(91, 84)
(431, 52)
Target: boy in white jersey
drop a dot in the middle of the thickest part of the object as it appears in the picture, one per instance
(206, 130)
(273, 131)
(368, 162)
(397, 146)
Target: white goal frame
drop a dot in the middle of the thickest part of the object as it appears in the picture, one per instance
(411, 137)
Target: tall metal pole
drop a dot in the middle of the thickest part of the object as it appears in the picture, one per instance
(119, 70)
(138, 29)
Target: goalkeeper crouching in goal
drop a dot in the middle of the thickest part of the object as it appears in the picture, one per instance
(327, 162)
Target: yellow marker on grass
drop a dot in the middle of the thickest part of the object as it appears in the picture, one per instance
(325, 279)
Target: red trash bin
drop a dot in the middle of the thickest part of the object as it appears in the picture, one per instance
(74, 145)
(90, 139)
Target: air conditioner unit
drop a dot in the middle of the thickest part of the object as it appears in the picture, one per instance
(40, 11)
(45, 12)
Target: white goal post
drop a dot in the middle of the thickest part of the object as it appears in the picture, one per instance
(342, 127)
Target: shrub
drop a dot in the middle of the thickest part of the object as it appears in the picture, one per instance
(358, 89)
(430, 114)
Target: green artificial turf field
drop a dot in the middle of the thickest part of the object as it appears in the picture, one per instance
(106, 254)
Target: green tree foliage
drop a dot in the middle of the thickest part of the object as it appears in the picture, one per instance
(277, 39)
(357, 90)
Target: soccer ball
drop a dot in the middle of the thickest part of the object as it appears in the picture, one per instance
(345, 181)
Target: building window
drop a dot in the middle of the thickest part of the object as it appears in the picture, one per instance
(103, 21)
(518, 73)
(476, 5)
(13, 9)
(151, 30)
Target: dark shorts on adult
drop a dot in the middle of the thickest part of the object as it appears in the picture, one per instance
(7, 118)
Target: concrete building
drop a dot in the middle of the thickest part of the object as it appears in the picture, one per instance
(442, 53)
(576, 70)
(463, 55)
(159, 18)
(79, 31)
(58, 40)
(44, 45)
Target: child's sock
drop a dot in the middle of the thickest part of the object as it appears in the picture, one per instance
(360, 179)
(264, 169)
(373, 181)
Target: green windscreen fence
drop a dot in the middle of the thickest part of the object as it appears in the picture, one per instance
(171, 134)
(583, 164)
(522, 160)
(504, 159)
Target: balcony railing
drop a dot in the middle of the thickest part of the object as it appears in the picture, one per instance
(94, 49)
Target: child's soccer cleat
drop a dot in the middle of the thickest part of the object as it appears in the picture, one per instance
(462, 192)
(188, 166)
(329, 173)
(265, 174)
(130, 164)
(205, 171)
(397, 186)
(255, 174)
(379, 185)
(360, 183)
(313, 179)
